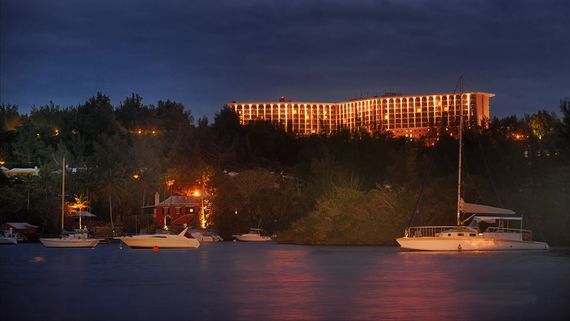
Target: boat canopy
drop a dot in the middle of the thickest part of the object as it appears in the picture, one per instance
(473, 208)
(493, 219)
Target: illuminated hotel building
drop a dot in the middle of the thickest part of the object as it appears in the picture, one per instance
(409, 116)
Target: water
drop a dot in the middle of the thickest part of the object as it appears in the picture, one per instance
(243, 281)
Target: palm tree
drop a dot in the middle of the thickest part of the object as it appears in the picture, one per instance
(80, 204)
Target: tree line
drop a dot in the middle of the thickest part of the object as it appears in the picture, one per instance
(344, 188)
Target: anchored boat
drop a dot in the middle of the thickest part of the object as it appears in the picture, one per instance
(486, 228)
(77, 239)
(254, 235)
(163, 241)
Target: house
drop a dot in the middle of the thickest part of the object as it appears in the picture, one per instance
(175, 211)
(25, 230)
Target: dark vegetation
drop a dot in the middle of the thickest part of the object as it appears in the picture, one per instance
(347, 188)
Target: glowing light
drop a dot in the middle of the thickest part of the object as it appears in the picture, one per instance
(170, 182)
(135, 176)
(196, 193)
(418, 110)
(80, 204)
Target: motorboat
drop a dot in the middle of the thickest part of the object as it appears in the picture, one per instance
(8, 238)
(254, 235)
(206, 236)
(479, 227)
(165, 241)
(77, 239)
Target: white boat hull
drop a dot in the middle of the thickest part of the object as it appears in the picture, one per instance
(69, 243)
(206, 238)
(150, 241)
(8, 240)
(253, 238)
(468, 244)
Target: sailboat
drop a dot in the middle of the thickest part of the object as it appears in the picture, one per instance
(77, 239)
(486, 228)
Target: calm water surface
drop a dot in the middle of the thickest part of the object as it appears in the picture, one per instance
(277, 282)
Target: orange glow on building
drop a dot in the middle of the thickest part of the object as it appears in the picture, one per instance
(409, 116)
(519, 136)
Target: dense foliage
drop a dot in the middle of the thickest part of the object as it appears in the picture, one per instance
(347, 188)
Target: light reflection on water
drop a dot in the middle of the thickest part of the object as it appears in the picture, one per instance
(281, 282)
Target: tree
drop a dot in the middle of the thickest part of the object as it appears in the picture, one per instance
(28, 147)
(80, 203)
(111, 160)
(133, 114)
(10, 119)
(565, 125)
(542, 123)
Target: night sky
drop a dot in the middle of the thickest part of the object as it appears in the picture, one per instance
(207, 53)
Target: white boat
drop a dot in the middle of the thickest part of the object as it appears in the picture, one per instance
(254, 235)
(78, 239)
(206, 236)
(164, 241)
(486, 228)
(8, 238)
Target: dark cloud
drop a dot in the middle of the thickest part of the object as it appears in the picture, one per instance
(206, 53)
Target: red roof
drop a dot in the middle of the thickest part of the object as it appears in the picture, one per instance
(181, 201)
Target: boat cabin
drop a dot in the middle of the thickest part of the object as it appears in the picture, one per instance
(257, 231)
(458, 232)
(495, 222)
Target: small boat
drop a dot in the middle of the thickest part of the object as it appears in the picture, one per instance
(165, 241)
(206, 236)
(486, 228)
(254, 235)
(77, 239)
(8, 238)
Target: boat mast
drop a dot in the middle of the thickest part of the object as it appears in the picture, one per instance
(62, 192)
(460, 150)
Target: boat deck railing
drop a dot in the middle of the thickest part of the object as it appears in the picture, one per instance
(433, 231)
(526, 234)
(429, 231)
